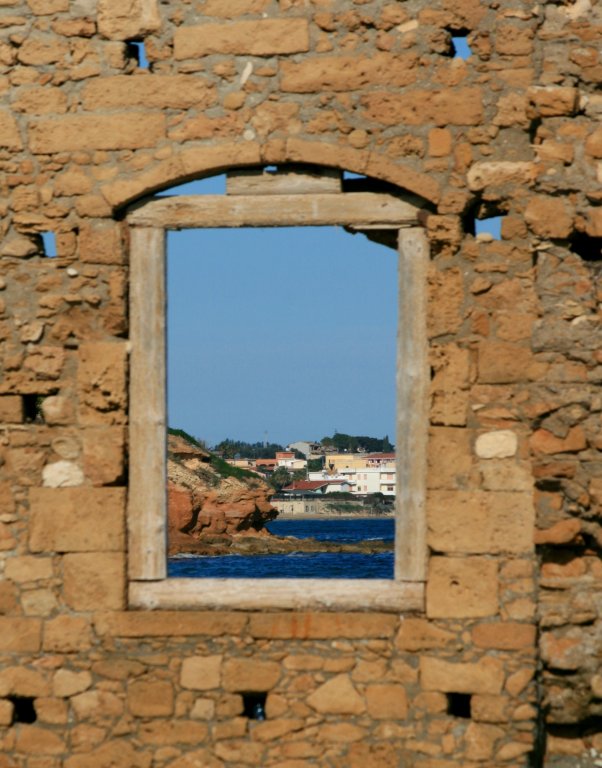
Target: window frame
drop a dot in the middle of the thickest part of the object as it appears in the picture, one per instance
(149, 587)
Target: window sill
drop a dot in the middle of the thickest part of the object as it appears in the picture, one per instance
(278, 594)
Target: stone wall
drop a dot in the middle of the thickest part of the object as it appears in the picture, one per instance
(503, 665)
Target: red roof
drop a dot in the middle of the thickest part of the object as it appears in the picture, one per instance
(306, 485)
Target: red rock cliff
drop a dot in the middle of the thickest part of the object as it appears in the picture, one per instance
(205, 507)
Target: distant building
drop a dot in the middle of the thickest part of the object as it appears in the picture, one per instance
(307, 448)
(318, 487)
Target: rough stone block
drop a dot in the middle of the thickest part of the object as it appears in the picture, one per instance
(480, 522)
(266, 37)
(94, 581)
(27, 568)
(69, 133)
(483, 676)
(19, 635)
(77, 519)
(150, 698)
(11, 409)
(552, 101)
(322, 626)
(495, 173)
(128, 21)
(169, 624)
(101, 381)
(499, 444)
(504, 636)
(101, 242)
(347, 73)
(67, 682)
(10, 138)
(449, 457)
(550, 217)
(201, 673)
(67, 634)
(462, 588)
(420, 634)
(33, 740)
(150, 91)
(242, 675)
(462, 106)
(104, 454)
(337, 696)
(503, 363)
(543, 441)
(386, 701)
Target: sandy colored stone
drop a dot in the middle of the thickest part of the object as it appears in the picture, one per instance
(337, 696)
(249, 675)
(549, 217)
(479, 522)
(148, 91)
(490, 173)
(449, 457)
(543, 441)
(11, 409)
(551, 100)
(48, 7)
(76, 519)
(464, 106)
(57, 410)
(27, 568)
(496, 445)
(461, 587)
(104, 454)
(66, 634)
(419, 634)
(348, 73)
(131, 130)
(321, 626)
(118, 20)
(563, 532)
(150, 698)
(23, 681)
(10, 137)
(484, 676)
(101, 242)
(115, 753)
(6, 712)
(506, 475)
(67, 682)
(34, 740)
(20, 635)
(481, 739)
(94, 580)
(503, 363)
(40, 49)
(169, 623)
(486, 708)
(386, 702)
(201, 673)
(504, 636)
(101, 381)
(266, 37)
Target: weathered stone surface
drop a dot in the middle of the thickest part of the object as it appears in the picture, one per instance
(461, 588)
(386, 702)
(68, 683)
(150, 698)
(549, 101)
(20, 635)
(90, 132)
(415, 107)
(549, 217)
(240, 675)
(94, 580)
(496, 445)
(480, 521)
(128, 20)
(490, 173)
(420, 634)
(62, 474)
(76, 519)
(148, 91)
(257, 38)
(337, 696)
(347, 73)
(504, 636)
(201, 673)
(543, 441)
(484, 676)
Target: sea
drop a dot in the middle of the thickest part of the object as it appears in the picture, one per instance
(301, 565)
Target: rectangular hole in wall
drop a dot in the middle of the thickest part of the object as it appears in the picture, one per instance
(137, 47)
(49, 242)
(488, 229)
(278, 335)
(459, 705)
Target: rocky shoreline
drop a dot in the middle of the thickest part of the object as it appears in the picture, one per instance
(277, 545)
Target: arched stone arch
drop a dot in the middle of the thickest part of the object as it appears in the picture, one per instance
(189, 163)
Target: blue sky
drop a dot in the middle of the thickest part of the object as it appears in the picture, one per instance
(289, 332)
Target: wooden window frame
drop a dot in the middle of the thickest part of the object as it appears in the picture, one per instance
(149, 587)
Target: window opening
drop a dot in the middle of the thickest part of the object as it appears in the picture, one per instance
(461, 48)
(459, 704)
(488, 229)
(368, 209)
(23, 709)
(286, 332)
(49, 243)
(254, 705)
(589, 248)
(139, 51)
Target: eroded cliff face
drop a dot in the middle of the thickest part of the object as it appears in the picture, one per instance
(205, 508)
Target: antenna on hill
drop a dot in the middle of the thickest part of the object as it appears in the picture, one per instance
(265, 439)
